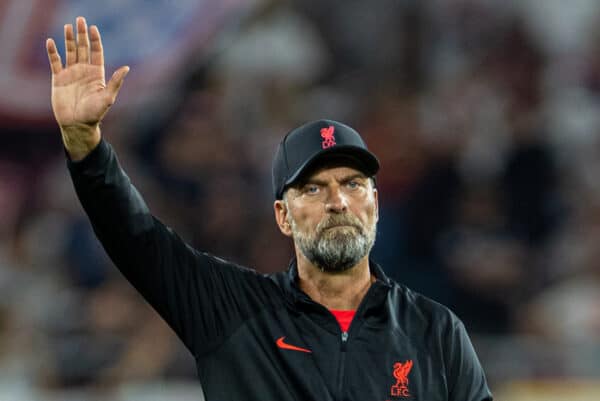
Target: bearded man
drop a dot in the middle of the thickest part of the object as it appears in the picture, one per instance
(330, 327)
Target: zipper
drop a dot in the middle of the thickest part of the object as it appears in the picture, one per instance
(342, 364)
(344, 338)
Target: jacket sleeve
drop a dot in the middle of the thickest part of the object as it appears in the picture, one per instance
(466, 378)
(203, 298)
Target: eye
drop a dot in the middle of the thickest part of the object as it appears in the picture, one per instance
(353, 184)
(311, 189)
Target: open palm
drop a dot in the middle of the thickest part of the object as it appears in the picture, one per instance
(80, 95)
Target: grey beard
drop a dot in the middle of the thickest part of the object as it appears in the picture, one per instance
(335, 249)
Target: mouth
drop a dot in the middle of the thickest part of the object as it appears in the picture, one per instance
(340, 226)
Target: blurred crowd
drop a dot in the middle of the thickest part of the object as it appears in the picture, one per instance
(484, 117)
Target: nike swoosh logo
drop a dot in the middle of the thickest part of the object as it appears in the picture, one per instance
(281, 344)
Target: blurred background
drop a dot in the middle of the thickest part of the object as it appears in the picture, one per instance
(484, 115)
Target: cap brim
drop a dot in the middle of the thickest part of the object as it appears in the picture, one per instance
(351, 156)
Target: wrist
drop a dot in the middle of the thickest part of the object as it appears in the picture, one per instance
(80, 140)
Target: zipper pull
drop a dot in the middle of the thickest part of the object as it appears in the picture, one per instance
(344, 341)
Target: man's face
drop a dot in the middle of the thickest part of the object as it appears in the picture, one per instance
(332, 217)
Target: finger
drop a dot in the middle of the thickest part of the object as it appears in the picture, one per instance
(53, 57)
(70, 46)
(83, 42)
(115, 83)
(97, 53)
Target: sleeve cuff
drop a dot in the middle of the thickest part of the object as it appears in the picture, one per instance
(95, 161)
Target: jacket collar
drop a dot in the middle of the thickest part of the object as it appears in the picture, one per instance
(294, 294)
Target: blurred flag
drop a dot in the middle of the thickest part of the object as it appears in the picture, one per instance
(157, 38)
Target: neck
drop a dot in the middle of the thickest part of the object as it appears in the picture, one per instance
(339, 290)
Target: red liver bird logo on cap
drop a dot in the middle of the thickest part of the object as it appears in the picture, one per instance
(401, 371)
(328, 138)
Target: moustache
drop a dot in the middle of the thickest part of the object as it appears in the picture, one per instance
(336, 220)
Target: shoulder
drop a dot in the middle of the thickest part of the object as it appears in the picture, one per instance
(421, 313)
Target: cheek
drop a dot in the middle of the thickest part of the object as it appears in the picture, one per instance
(372, 215)
(306, 217)
(369, 212)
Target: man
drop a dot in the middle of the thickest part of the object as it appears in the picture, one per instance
(333, 327)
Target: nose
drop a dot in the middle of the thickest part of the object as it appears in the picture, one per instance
(337, 202)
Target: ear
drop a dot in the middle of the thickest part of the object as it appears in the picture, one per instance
(376, 198)
(281, 214)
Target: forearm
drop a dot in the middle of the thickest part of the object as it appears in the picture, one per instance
(107, 196)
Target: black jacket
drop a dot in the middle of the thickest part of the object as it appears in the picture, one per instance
(259, 337)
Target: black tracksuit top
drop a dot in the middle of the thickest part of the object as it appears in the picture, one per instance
(259, 337)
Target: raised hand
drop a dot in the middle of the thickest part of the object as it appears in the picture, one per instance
(80, 95)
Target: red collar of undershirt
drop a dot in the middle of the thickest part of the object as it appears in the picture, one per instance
(344, 317)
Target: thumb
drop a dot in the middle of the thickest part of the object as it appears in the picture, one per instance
(115, 83)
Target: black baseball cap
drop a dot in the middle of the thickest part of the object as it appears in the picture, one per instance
(305, 147)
